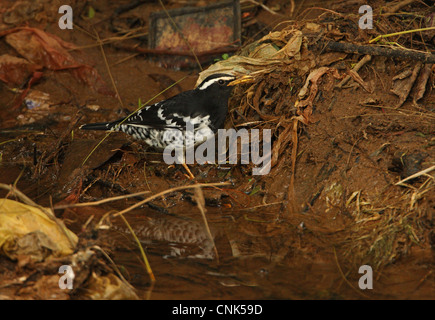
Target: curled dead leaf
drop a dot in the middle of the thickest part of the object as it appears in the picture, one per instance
(46, 50)
(26, 230)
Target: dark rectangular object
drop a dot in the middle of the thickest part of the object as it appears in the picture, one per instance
(207, 29)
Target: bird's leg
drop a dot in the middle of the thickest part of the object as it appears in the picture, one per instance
(191, 176)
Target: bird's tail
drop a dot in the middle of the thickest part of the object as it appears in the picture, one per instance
(100, 126)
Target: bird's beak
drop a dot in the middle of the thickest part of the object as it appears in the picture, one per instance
(244, 79)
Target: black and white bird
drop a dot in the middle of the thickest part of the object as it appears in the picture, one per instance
(164, 123)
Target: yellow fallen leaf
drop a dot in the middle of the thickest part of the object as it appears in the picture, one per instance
(27, 230)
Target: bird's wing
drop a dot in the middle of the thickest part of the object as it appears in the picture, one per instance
(172, 113)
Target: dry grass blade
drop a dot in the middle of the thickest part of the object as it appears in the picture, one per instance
(96, 203)
(263, 205)
(418, 174)
(384, 230)
(114, 265)
(200, 201)
(396, 6)
(130, 35)
(344, 277)
(181, 35)
(169, 191)
(142, 251)
(356, 68)
(108, 69)
(52, 153)
(114, 86)
(400, 33)
(279, 146)
(262, 6)
(291, 187)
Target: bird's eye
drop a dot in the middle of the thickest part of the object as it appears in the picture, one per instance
(221, 82)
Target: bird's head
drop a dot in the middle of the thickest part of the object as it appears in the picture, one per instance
(215, 90)
(222, 81)
(218, 81)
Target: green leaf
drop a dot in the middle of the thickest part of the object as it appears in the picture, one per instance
(91, 12)
(255, 190)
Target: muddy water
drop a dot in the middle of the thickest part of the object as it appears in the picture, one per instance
(253, 255)
(260, 255)
(186, 266)
(253, 262)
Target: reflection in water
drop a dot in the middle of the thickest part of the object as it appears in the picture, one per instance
(185, 236)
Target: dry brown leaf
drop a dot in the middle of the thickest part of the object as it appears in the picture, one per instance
(109, 287)
(312, 78)
(402, 87)
(292, 48)
(15, 71)
(47, 50)
(263, 58)
(355, 76)
(420, 87)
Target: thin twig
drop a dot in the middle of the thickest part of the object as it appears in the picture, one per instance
(344, 277)
(181, 35)
(397, 6)
(96, 203)
(356, 68)
(291, 187)
(415, 175)
(408, 54)
(142, 251)
(169, 191)
(114, 265)
(108, 69)
(200, 201)
(263, 6)
(263, 205)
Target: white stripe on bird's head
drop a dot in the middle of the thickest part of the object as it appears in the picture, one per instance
(222, 79)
